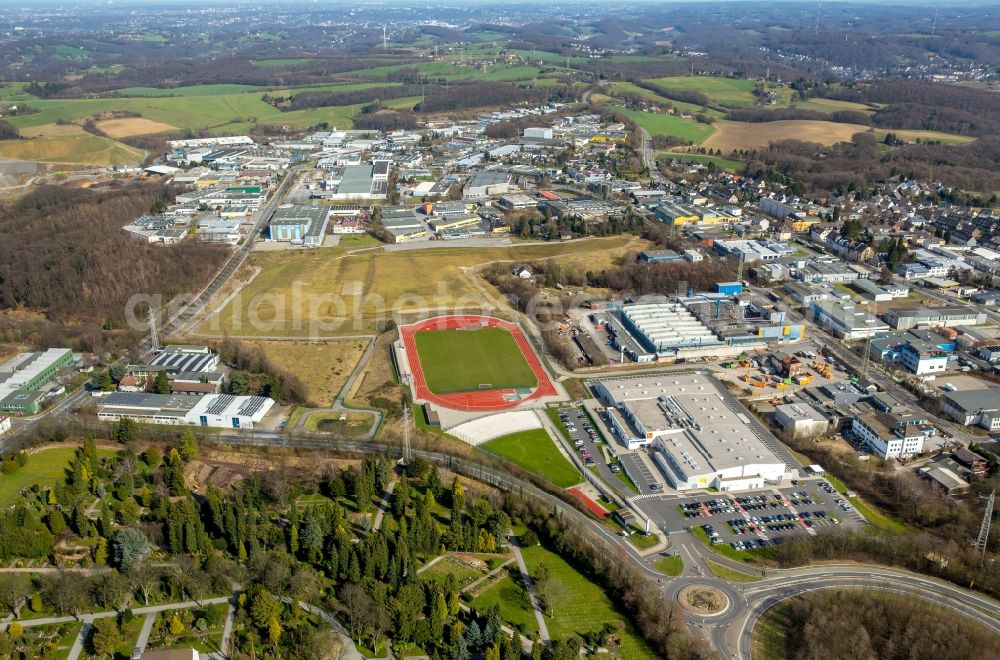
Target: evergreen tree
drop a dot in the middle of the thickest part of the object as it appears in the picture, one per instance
(101, 552)
(105, 383)
(161, 385)
(189, 446)
(126, 431)
(457, 498)
(473, 635)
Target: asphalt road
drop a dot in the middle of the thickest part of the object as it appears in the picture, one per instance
(184, 316)
(729, 631)
(745, 602)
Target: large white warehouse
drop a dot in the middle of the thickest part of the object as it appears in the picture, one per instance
(213, 410)
(700, 436)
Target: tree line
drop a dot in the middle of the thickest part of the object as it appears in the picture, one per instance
(860, 164)
(8, 131)
(307, 100)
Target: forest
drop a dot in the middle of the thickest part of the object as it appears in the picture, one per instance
(918, 104)
(758, 115)
(861, 163)
(306, 535)
(875, 625)
(66, 257)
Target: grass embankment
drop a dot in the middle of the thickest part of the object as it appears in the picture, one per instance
(729, 574)
(727, 550)
(577, 605)
(535, 451)
(323, 367)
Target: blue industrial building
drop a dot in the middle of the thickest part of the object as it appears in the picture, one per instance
(299, 223)
(655, 256)
(729, 288)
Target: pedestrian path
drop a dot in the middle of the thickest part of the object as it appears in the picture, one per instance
(543, 630)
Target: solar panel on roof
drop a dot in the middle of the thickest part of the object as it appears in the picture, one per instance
(122, 399)
(220, 404)
(252, 406)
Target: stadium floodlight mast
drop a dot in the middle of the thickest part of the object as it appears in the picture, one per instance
(154, 339)
(984, 529)
(407, 452)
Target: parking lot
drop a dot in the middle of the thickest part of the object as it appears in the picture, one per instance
(754, 519)
(589, 444)
(646, 480)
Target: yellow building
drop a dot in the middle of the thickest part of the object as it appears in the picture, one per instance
(803, 224)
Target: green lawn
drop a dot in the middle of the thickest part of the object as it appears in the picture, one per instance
(721, 163)
(730, 92)
(462, 572)
(577, 605)
(66, 52)
(731, 575)
(45, 468)
(514, 607)
(672, 566)
(534, 451)
(663, 124)
(464, 360)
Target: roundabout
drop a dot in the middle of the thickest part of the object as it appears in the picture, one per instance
(703, 600)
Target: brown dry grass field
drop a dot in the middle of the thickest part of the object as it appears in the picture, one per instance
(329, 293)
(82, 148)
(51, 130)
(125, 127)
(376, 381)
(323, 367)
(730, 135)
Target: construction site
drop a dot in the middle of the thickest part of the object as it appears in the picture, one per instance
(774, 375)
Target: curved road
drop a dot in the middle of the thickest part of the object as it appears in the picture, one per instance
(730, 631)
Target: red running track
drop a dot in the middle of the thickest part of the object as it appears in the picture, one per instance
(596, 508)
(480, 400)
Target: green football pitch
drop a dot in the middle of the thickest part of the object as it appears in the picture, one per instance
(469, 360)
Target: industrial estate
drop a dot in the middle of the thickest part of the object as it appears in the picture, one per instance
(385, 332)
